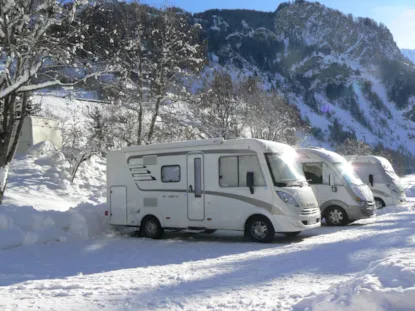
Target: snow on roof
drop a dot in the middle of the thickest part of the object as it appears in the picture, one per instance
(273, 147)
(266, 146)
(369, 158)
(327, 155)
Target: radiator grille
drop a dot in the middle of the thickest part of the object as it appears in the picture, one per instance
(309, 211)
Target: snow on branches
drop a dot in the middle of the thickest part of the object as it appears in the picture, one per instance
(41, 45)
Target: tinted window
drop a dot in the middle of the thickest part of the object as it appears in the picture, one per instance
(170, 173)
(232, 171)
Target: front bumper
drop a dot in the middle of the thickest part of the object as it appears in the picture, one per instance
(297, 223)
(361, 212)
(401, 200)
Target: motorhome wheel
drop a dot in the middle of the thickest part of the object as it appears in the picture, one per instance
(261, 229)
(379, 203)
(151, 228)
(336, 216)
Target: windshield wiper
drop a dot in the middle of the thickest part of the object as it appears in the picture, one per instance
(297, 183)
(294, 183)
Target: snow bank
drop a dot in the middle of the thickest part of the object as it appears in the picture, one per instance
(408, 182)
(388, 284)
(24, 225)
(41, 178)
(410, 191)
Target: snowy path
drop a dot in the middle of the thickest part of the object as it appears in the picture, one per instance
(181, 272)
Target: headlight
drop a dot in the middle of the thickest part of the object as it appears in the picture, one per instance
(360, 201)
(287, 198)
(393, 188)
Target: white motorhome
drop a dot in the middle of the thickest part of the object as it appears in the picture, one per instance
(38, 129)
(249, 185)
(379, 174)
(340, 193)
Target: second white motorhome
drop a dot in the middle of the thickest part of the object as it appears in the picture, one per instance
(248, 185)
(381, 178)
(340, 193)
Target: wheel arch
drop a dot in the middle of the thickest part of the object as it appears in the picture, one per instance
(380, 199)
(338, 203)
(149, 215)
(249, 218)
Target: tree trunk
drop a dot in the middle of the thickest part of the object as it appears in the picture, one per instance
(153, 120)
(4, 172)
(140, 124)
(83, 158)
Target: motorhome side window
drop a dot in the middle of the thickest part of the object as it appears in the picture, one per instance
(232, 171)
(313, 173)
(170, 173)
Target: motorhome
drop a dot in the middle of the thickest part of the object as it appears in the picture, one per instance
(247, 185)
(38, 129)
(379, 174)
(341, 194)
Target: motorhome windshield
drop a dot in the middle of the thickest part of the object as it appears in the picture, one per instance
(348, 174)
(390, 172)
(285, 170)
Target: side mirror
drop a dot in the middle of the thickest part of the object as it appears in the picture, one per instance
(331, 180)
(371, 180)
(250, 181)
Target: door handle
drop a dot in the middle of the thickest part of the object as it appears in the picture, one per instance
(190, 189)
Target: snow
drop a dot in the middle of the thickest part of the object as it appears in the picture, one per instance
(45, 170)
(38, 201)
(410, 54)
(3, 176)
(24, 225)
(274, 147)
(58, 253)
(408, 182)
(328, 155)
(387, 284)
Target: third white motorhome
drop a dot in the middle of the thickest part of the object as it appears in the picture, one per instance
(379, 174)
(249, 185)
(340, 193)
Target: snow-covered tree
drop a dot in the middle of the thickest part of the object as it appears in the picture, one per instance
(41, 45)
(354, 147)
(159, 50)
(219, 110)
(269, 116)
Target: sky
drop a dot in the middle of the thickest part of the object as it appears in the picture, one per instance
(397, 15)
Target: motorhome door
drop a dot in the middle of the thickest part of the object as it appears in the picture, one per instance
(316, 174)
(195, 187)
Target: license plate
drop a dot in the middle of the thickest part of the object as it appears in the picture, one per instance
(312, 221)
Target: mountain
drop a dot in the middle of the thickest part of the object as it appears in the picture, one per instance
(409, 54)
(345, 74)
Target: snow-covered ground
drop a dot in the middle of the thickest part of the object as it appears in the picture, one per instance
(58, 258)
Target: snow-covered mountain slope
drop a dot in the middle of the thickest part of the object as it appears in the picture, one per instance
(345, 74)
(409, 54)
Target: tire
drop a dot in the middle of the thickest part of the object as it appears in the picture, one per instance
(292, 234)
(336, 216)
(260, 229)
(379, 203)
(151, 228)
